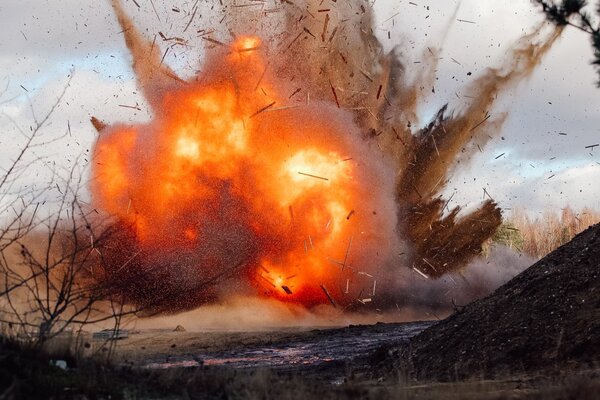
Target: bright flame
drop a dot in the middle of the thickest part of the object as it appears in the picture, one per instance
(247, 43)
(227, 170)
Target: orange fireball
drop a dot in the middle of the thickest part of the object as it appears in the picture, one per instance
(231, 181)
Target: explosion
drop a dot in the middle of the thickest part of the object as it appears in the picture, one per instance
(288, 168)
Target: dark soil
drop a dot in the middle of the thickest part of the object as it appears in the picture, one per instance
(289, 350)
(546, 318)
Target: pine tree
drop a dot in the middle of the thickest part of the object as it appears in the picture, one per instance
(573, 13)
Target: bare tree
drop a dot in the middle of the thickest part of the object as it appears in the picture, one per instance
(50, 286)
(48, 248)
(18, 204)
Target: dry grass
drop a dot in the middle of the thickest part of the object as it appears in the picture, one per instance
(25, 373)
(539, 236)
(580, 385)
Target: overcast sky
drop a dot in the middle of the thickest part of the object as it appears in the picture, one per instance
(552, 117)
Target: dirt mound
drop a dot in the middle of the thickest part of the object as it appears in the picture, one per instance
(179, 328)
(546, 317)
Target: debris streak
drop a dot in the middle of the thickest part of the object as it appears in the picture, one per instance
(213, 192)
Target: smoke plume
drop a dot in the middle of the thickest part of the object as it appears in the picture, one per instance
(289, 167)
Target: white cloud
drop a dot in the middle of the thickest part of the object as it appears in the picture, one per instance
(68, 132)
(43, 40)
(532, 189)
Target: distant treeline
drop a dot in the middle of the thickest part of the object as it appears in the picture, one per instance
(539, 236)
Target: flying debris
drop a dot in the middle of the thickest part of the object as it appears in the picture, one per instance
(236, 181)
